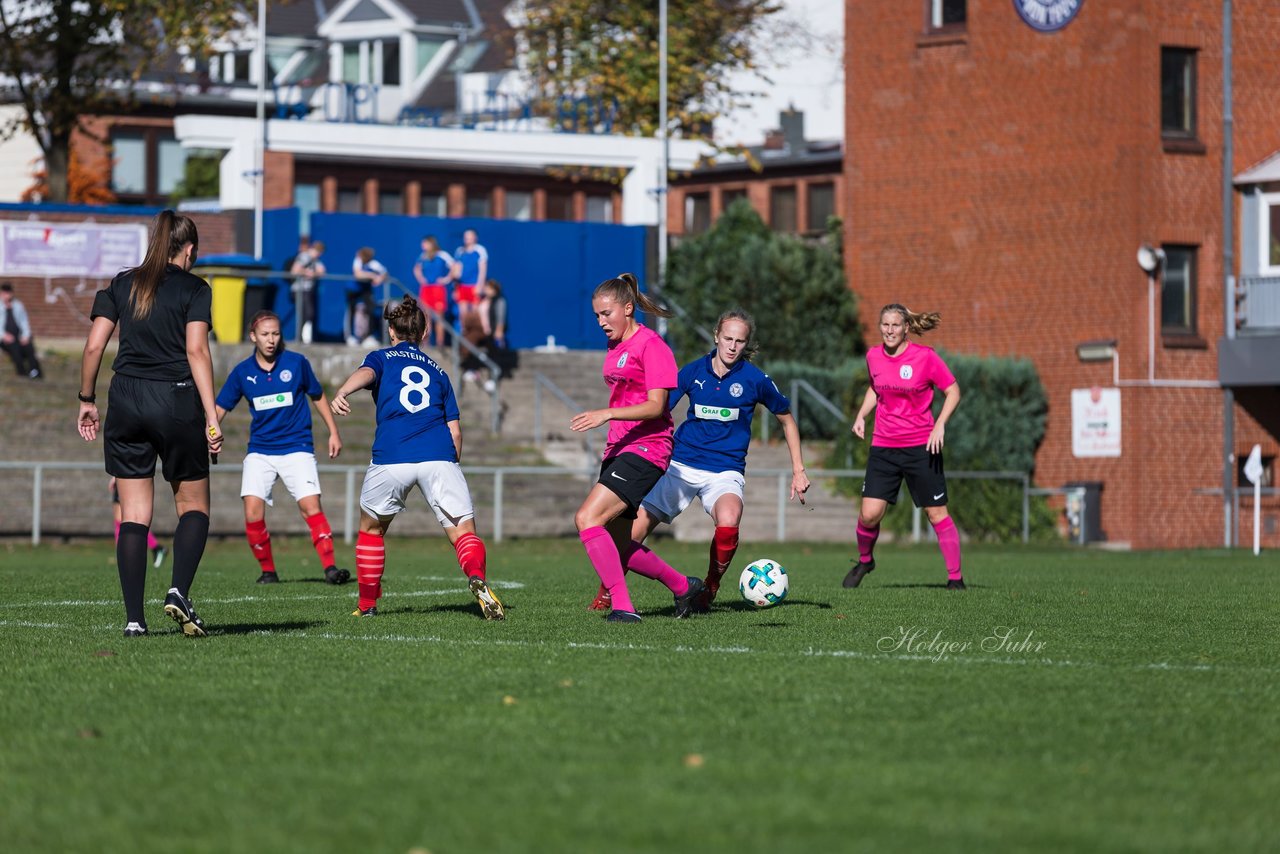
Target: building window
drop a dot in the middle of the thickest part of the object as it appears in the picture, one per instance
(520, 205)
(697, 213)
(1269, 251)
(946, 15)
(350, 200)
(728, 197)
(147, 164)
(434, 204)
(782, 209)
(822, 205)
(599, 209)
(559, 206)
(1177, 93)
(306, 198)
(389, 202)
(480, 204)
(1178, 296)
(391, 62)
(129, 164)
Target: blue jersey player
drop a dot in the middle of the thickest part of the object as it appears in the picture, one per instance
(278, 385)
(418, 442)
(710, 454)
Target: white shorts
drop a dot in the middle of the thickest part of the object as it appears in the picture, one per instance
(681, 484)
(297, 470)
(442, 483)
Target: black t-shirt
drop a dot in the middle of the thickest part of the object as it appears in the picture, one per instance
(155, 348)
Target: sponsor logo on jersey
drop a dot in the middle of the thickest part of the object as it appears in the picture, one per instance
(273, 401)
(699, 383)
(905, 372)
(622, 360)
(715, 413)
(252, 379)
(736, 389)
(286, 375)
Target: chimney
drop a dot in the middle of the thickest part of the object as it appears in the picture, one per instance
(773, 140)
(792, 121)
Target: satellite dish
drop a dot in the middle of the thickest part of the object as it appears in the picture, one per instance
(1150, 259)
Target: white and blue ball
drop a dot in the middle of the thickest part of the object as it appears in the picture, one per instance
(764, 583)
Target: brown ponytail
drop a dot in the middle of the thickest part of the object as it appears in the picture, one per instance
(169, 233)
(625, 288)
(406, 320)
(919, 323)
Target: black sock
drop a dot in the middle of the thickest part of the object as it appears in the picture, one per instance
(188, 547)
(131, 560)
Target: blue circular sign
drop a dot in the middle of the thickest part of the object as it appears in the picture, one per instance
(1047, 16)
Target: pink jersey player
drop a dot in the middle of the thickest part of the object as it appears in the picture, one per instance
(907, 441)
(640, 370)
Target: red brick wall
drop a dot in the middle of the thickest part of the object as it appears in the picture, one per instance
(59, 308)
(1007, 179)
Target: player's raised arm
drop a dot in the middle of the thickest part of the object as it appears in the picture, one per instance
(362, 378)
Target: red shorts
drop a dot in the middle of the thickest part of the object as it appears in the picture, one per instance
(465, 294)
(434, 297)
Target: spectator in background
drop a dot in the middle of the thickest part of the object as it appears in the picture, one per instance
(15, 334)
(306, 268)
(368, 274)
(434, 272)
(471, 268)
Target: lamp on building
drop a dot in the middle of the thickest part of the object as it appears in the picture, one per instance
(1096, 351)
(1150, 258)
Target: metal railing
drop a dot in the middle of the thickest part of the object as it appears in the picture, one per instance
(456, 342)
(498, 521)
(1260, 308)
(542, 381)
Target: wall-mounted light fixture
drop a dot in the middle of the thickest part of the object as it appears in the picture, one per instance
(1096, 351)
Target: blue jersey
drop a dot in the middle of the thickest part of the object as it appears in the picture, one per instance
(435, 269)
(278, 402)
(415, 405)
(717, 430)
(470, 260)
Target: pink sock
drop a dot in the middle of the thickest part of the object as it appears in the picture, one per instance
(603, 555)
(117, 532)
(866, 542)
(152, 542)
(949, 544)
(640, 559)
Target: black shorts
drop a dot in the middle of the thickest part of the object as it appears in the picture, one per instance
(630, 477)
(886, 467)
(155, 418)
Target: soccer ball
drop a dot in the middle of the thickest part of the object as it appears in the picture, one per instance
(763, 583)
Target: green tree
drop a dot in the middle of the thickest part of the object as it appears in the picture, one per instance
(607, 50)
(69, 61)
(795, 289)
(201, 177)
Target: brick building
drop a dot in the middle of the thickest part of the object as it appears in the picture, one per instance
(1005, 162)
(793, 184)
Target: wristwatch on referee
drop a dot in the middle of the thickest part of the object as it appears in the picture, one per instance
(87, 398)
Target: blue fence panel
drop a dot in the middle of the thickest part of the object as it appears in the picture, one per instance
(547, 269)
(279, 242)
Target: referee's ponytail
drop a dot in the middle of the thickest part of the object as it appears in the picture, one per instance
(169, 234)
(626, 288)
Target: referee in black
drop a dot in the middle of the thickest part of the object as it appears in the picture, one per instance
(162, 405)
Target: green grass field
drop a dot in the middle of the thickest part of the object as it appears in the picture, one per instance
(1142, 714)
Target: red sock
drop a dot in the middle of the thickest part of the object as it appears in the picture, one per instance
(724, 545)
(471, 554)
(260, 544)
(371, 559)
(321, 538)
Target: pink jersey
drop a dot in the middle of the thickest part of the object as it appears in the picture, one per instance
(631, 369)
(904, 387)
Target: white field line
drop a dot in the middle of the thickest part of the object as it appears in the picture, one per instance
(811, 652)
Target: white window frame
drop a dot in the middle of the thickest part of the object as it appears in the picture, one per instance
(1265, 267)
